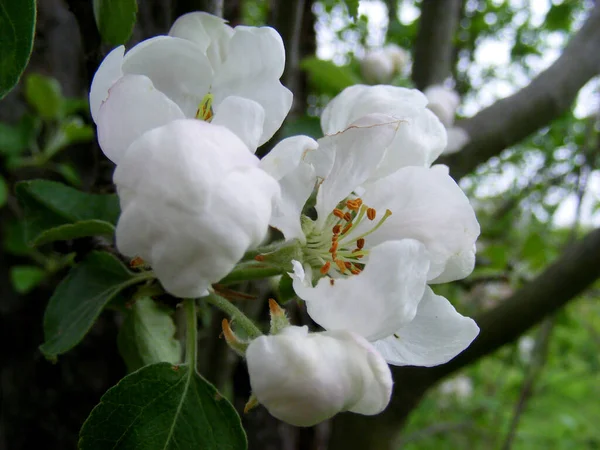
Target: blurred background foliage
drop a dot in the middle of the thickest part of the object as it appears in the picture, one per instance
(532, 200)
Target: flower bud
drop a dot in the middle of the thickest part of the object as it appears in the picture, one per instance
(377, 67)
(443, 102)
(193, 200)
(304, 378)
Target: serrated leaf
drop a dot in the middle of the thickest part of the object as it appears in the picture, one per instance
(328, 77)
(44, 94)
(115, 19)
(163, 407)
(147, 335)
(17, 25)
(26, 278)
(54, 211)
(79, 299)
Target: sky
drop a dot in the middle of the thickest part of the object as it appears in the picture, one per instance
(491, 52)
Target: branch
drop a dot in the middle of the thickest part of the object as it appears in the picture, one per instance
(434, 43)
(546, 98)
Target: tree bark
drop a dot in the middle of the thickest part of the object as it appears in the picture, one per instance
(546, 98)
(435, 42)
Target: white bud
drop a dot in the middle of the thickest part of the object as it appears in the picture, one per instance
(443, 102)
(398, 55)
(304, 378)
(377, 67)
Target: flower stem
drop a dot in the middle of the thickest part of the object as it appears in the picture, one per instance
(238, 316)
(191, 344)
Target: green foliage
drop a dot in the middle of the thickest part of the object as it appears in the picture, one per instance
(163, 407)
(45, 95)
(54, 211)
(26, 278)
(352, 6)
(115, 19)
(17, 26)
(329, 77)
(147, 335)
(79, 299)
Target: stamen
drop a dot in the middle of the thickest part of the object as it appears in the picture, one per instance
(331, 281)
(341, 265)
(371, 213)
(338, 213)
(347, 217)
(354, 205)
(337, 229)
(355, 271)
(347, 228)
(360, 243)
(348, 265)
(325, 268)
(334, 247)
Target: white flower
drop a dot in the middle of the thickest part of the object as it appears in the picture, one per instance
(460, 386)
(443, 102)
(204, 69)
(193, 200)
(387, 225)
(382, 64)
(304, 378)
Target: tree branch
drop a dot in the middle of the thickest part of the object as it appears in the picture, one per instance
(546, 98)
(564, 280)
(434, 43)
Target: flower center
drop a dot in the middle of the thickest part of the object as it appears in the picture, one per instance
(205, 111)
(334, 250)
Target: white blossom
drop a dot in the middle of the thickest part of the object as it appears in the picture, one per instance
(304, 378)
(387, 225)
(193, 200)
(204, 69)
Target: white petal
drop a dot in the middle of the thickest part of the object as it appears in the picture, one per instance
(177, 67)
(458, 267)
(426, 205)
(304, 378)
(421, 137)
(242, 116)
(357, 151)
(193, 200)
(255, 60)
(296, 179)
(287, 155)
(375, 302)
(359, 100)
(133, 107)
(106, 75)
(201, 28)
(436, 335)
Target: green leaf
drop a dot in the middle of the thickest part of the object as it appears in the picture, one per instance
(115, 19)
(26, 278)
(79, 299)
(54, 211)
(17, 25)
(147, 335)
(45, 95)
(352, 6)
(163, 407)
(3, 191)
(73, 131)
(69, 173)
(328, 77)
(15, 139)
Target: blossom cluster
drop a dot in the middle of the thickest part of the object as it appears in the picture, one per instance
(372, 223)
